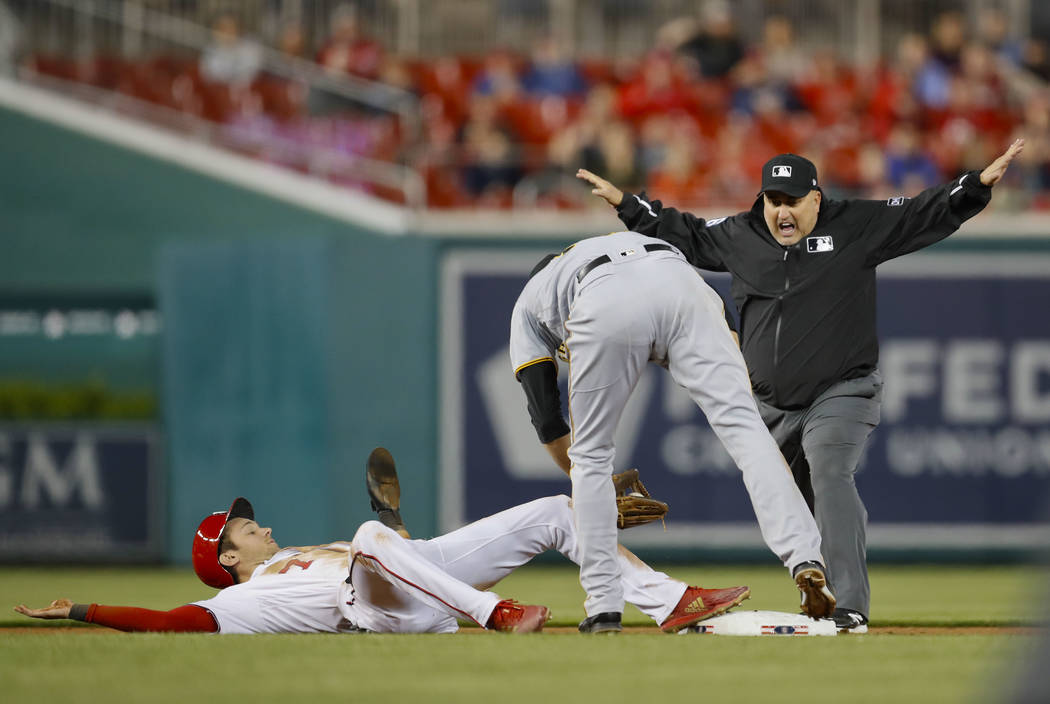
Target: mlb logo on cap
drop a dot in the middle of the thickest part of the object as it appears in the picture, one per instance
(819, 244)
(789, 173)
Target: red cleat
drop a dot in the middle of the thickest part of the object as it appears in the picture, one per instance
(697, 604)
(511, 617)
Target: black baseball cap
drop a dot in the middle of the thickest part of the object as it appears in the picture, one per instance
(789, 173)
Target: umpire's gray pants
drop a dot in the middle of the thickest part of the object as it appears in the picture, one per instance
(823, 444)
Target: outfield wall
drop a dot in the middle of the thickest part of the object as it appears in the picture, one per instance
(291, 339)
(289, 344)
(960, 465)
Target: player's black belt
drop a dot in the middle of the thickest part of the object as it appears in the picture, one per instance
(605, 259)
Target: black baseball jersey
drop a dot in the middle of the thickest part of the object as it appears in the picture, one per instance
(807, 311)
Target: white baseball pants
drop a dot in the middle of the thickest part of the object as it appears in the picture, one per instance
(423, 586)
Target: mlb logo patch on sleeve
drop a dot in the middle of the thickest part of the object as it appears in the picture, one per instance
(897, 200)
(820, 244)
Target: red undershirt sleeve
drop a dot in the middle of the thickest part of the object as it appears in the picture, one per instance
(184, 619)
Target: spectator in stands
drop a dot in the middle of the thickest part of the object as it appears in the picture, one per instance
(498, 79)
(599, 108)
(291, 41)
(1035, 168)
(784, 61)
(282, 98)
(552, 72)
(552, 186)
(654, 89)
(445, 88)
(713, 43)
(891, 96)
(739, 156)
(871, 172)
(755, 88)
(653, 141)
(949, 38)
(1036, 58)
(492, 164)
(908, 166)
(613, 150)
(933, 82)
(829, 90)
(993, 32)
(977, 96)
(347, 49)
(771, 69)
(230, 58)
(680, 174)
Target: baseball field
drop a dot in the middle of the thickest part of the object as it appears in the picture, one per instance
(940, 634)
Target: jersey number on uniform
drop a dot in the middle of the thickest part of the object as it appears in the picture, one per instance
(296, 563)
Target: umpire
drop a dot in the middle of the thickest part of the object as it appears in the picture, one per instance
(803, 269)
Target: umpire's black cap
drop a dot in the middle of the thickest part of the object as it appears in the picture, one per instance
(791, 174)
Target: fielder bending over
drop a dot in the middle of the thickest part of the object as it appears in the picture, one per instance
(614, 304)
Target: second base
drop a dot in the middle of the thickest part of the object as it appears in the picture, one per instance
(764, 623)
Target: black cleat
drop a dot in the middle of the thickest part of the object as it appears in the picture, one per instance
(384, 491)
(850, 621)
(605, 622)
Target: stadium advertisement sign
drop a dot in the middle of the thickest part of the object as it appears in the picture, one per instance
(84, 492)
(960, 460)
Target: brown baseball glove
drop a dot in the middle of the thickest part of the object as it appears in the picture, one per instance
(634, 506)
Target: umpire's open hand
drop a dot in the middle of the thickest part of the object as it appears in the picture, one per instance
(991, 175)
(602, 188)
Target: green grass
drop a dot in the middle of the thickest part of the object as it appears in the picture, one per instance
(96, 665)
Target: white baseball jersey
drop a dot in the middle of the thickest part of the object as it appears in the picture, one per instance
(292, 592)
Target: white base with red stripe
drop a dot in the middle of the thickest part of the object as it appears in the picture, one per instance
(764, 623)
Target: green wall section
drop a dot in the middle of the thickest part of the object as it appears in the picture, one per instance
(80, 214)
(285, 362)
(292, 343)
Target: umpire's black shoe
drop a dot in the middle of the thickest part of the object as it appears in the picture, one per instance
(850, 621)
(605, 622)
(384, 490)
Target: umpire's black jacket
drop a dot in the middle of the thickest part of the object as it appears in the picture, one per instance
(807, 311)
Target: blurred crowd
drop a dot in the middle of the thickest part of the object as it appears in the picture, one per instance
(691, 122)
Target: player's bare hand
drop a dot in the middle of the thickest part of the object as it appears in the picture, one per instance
(602, 188)
(59, 609)
(991, 175)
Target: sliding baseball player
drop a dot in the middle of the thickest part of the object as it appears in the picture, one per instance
(382, 582)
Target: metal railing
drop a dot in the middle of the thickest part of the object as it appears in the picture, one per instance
(860, 29)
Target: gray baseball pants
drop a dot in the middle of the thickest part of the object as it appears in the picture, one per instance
(823, 444)
(654, 307)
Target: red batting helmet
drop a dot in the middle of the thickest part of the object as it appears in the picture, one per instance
(206, 544)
